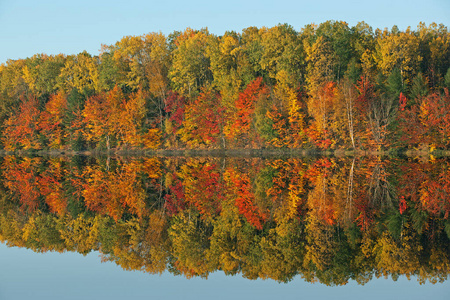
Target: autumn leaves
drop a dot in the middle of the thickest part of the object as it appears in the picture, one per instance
(327, 86)
(108, 118)
(325, 219)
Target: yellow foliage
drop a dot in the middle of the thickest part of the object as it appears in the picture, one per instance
(152, 139)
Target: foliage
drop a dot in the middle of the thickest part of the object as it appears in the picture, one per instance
(325, 86)
(327, 220)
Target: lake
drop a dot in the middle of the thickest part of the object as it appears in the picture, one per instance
(224, 227)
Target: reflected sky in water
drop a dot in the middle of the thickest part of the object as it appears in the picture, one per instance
(28, 275)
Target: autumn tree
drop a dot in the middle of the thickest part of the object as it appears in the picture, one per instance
(80, 72)
(399, 50)
(245, 199)
(51, 121)
(229, 66)
(21, 129)
(190, 66)
(203, 121)
(141, 62)
(243, 127)
(175, 108)
(41, 73)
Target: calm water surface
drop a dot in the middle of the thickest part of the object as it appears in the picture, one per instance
(255, 228)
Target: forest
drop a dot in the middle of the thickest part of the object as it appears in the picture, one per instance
(327, 86)
(327, 220)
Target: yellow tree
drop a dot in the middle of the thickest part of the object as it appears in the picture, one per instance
(320, 107)
(319, 63)
(80, 72)
(227, 61)
(190, 67)
(289, 119)
(190, 241)
(321, 89)
(364, 46)
(134, 131)
(203, 121)
(12, 86)
(253, 50)
(435, 47)
(287, 193)
(128, 55)
(282, 51)
(41, 73)
(398, 257)
(140, 62)
(398, 50)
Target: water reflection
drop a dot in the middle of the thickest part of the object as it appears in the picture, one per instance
(325, 219)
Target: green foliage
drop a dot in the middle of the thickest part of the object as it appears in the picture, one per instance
(108, 71)
(353, 71)
(419, 87)
(394, 224)
(447, 79)
(394, 84)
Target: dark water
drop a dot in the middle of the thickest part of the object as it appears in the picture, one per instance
(309, 222)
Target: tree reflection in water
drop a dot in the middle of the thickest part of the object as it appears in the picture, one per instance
(329, 220)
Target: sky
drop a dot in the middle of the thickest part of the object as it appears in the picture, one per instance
(28, 27)
(25, 275)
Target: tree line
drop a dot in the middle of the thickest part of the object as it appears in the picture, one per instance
(327, 86)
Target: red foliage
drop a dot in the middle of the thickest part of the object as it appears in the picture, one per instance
(320, 166)
(402, 205)
(427, 186)
(245, 106)
(175, 200)
(402, 102)
(245, 200)
(321, 140)
(203, 120)
(366, 94)
(427, 121)
(175, 106)
(366, 212)
(204, 189)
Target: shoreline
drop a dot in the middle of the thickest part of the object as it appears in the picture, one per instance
(230, 153)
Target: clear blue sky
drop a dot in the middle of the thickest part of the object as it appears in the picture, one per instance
(28, 27)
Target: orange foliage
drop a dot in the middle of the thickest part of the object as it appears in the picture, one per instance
(115, 192)
(51, 120)
(245, 107)
(21, 129)
(203, 187)
(203, 120)
(51, 187)
(245, 198)
(320, 109)
(320, 201)
(21, 178)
